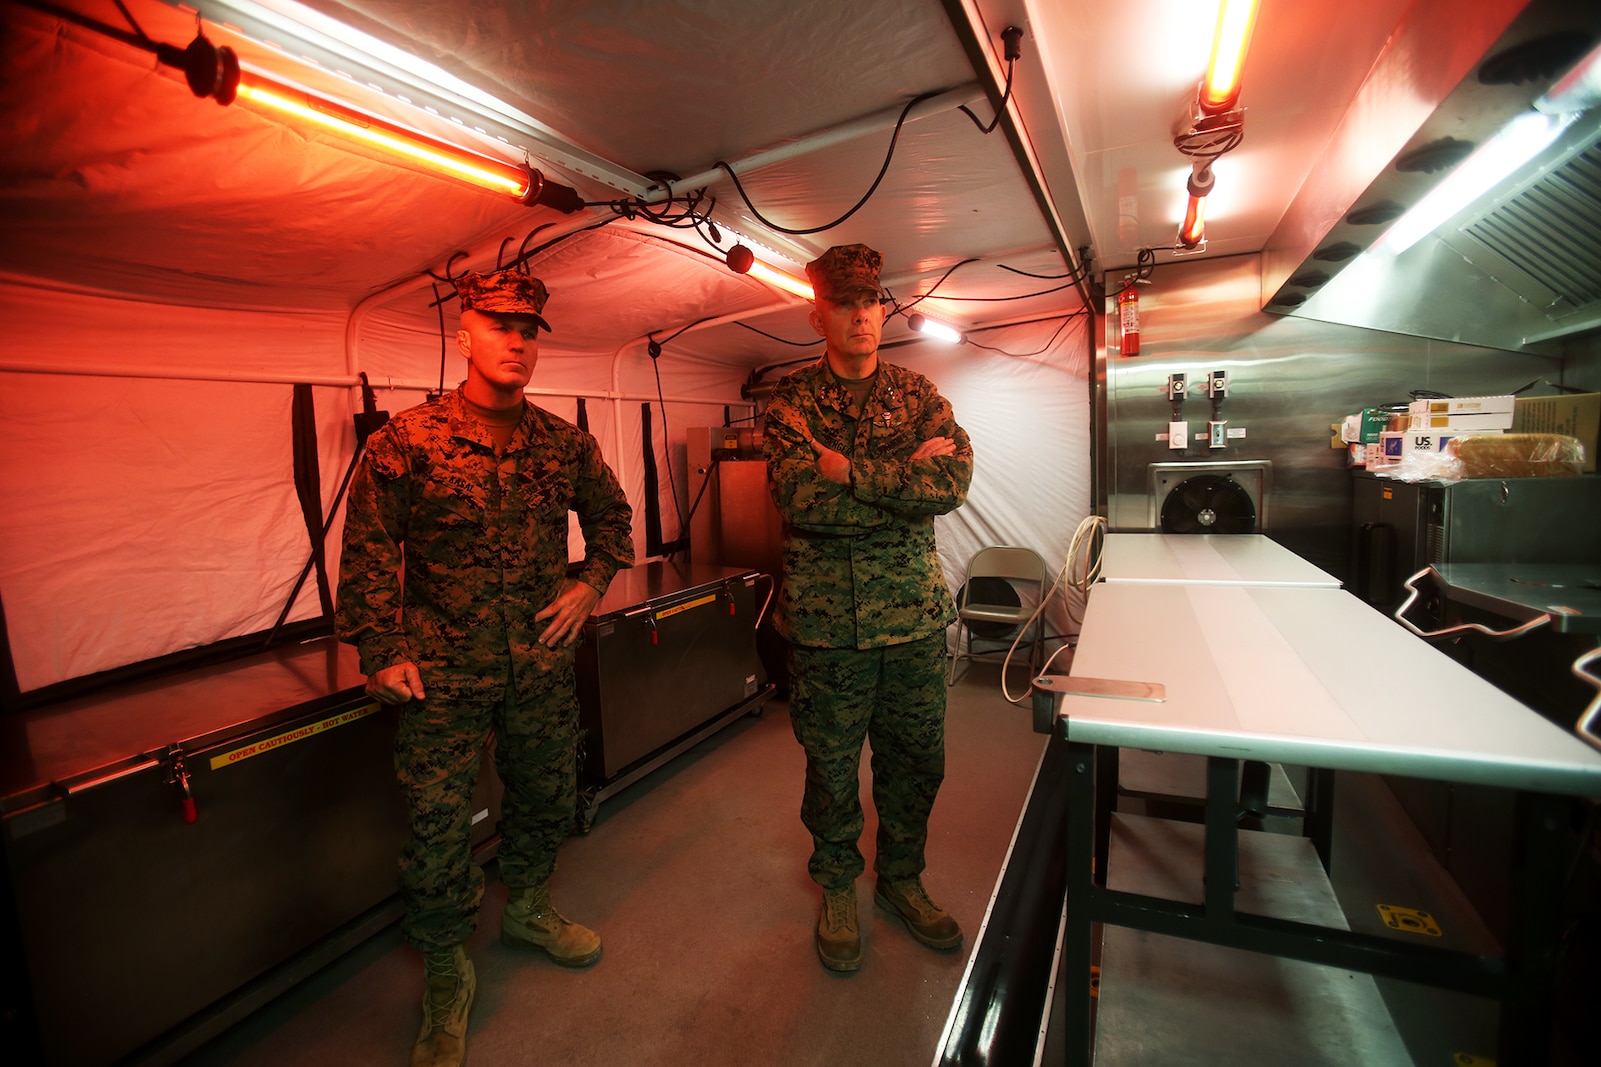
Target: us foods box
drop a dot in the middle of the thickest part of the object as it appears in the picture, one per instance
(1575, 414)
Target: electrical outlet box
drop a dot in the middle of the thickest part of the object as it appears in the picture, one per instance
(1219, 431)
(1175, 387)
(1178, 434)
(1217, 386)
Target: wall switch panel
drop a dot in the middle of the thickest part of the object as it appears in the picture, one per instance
(1178, 434)
(1219, 431)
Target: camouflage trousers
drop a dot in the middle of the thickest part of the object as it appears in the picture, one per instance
(437, 757)
(894, 699)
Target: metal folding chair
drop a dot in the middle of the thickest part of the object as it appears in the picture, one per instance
(1004, 587)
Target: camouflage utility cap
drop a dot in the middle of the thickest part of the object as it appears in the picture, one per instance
(845, 271)
(504, 292)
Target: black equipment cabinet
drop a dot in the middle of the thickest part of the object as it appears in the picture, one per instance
(182, 850)
(669, 656)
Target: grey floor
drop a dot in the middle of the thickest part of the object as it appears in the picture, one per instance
(695, 877)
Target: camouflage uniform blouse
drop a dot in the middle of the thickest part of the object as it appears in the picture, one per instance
(483, 542)
(860, 566)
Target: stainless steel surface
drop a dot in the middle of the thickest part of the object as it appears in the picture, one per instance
(1290, 676)
(1159, 996)
(1429, 51)
(1517, 268)
(1115, 688)
(735, 523)
(1569, 594)
(1206, 559)
(1290, 381)
(1514, 520)
(1526, 624)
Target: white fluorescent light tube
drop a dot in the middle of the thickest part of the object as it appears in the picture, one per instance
(1518, 142)
(937, 330)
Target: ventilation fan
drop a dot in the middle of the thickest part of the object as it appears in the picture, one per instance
(1208, 503)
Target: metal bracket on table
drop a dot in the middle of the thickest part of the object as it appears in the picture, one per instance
(1500, 635)
(1046, 686)
(1591, 718)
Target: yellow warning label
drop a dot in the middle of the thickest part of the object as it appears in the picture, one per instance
(1409, 920)
(686, 605)
(288, 737)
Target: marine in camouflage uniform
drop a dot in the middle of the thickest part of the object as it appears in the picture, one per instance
(859, 463)
(470, 502)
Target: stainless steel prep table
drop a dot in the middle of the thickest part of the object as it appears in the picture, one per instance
(1313, 677)
(1568, 593)
(1207, 559)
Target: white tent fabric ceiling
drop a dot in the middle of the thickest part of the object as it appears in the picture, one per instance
(173, 267)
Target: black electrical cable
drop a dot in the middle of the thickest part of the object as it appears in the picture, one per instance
(999, 111)
(903, 308)
(661, 398)
(780, 340)
(439, 305)
(1145, 260)
(670, 337)
(1026, 355)
(1003, 299)
(888, 155)
(1075, 274)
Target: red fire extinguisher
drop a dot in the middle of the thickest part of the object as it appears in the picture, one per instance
(1128, 313)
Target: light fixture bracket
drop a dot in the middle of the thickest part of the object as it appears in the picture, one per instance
(211, 72)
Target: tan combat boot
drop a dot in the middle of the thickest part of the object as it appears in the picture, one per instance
(927, 921)
(532, 921)
(448, 991)
(839, 936)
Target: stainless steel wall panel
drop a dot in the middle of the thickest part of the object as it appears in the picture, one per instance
(1289, 381)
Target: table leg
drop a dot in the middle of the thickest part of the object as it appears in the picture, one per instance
(1106, 771)
(1078, 934)
(1222, 838)
(1539, 854)
(1317, 825)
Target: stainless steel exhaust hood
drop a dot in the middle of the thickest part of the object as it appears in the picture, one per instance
(1520, 267)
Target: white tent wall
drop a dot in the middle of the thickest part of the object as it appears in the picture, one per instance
(150, 516)
(1027, 413)
(173, 267)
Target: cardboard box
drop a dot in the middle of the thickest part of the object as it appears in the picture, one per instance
(1371, 423)
(1462, 405)
(1435, 440)
(1575, 414)
(1489, 420)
